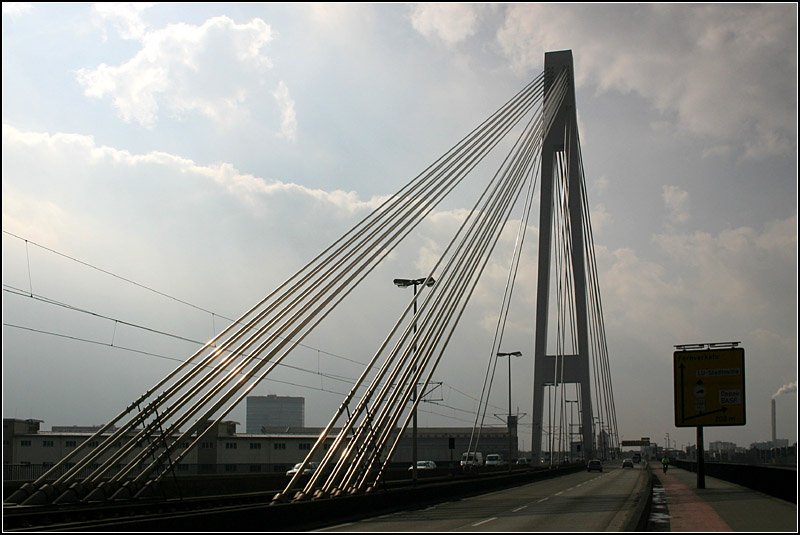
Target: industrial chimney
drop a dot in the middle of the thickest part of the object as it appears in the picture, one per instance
(774, 441)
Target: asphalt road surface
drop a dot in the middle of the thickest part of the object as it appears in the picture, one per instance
(583, 501)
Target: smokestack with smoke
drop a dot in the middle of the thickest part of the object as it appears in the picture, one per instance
(773, 423)
(785, 389)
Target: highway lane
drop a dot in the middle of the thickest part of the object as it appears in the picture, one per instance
(583, 501)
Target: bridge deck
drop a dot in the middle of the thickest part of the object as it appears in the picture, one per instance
(721, 506)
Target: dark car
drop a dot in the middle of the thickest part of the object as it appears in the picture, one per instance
(594, 464)
(627, 463)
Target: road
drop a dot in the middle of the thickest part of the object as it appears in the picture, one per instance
(583, 501)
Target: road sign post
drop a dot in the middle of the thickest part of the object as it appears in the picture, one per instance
(708, 390)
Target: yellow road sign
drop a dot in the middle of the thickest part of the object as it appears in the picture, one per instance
(709, 387)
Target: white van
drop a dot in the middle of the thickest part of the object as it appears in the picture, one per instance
(472, 458)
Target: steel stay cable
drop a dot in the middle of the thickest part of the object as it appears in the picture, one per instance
(552, 101)
(408, 348)
(455, 323)
(413, 343)
(158, 386)
(430, 343)
(392, 378)
(430, 373)
(569, 295)
(488, 381)
(215, 374)
(112, 439)
(324, 435)
(600, 330)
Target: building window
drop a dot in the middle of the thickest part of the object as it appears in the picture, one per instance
(230, 445)
(47, 443)
(230, 467)
(93, 444)
(279, 445)
(47, 465)
(255, 445)
(183, 468)
(206, 445)
(255, 467)
(70, 443)
(25, 443)
(304, 446)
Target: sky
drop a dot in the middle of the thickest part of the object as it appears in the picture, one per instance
(165, 166)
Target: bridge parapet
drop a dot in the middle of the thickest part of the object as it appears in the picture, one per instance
(780, 482)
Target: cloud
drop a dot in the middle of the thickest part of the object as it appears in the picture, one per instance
(124, 17)
(676, 200)
(15, 9)
(182, 68)
(451, 22)
(737, 83)
(288, 116)
(79, 157)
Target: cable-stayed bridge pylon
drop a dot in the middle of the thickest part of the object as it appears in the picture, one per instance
(143, 444)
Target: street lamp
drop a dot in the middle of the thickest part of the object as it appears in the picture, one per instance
(510, 438)
(405, 283)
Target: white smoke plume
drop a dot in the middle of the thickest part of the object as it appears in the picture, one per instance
(785, 389)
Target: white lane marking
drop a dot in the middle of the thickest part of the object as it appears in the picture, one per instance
(484, 521)
(331, 528)
(558, 493)
(519, 509)
(543, 499)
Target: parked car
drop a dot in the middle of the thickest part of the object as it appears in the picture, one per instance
(523, 461)
(494, 459)
(309, 469)
(594, 464)
(627, 463)
(424, 465)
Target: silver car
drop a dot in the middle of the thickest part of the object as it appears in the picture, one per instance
(309, 469)
(424, 465)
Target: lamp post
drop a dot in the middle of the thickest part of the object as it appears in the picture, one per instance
(405, 283)
(510, 438)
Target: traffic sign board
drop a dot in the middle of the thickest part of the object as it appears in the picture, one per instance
(635, 443)
(709, 387)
